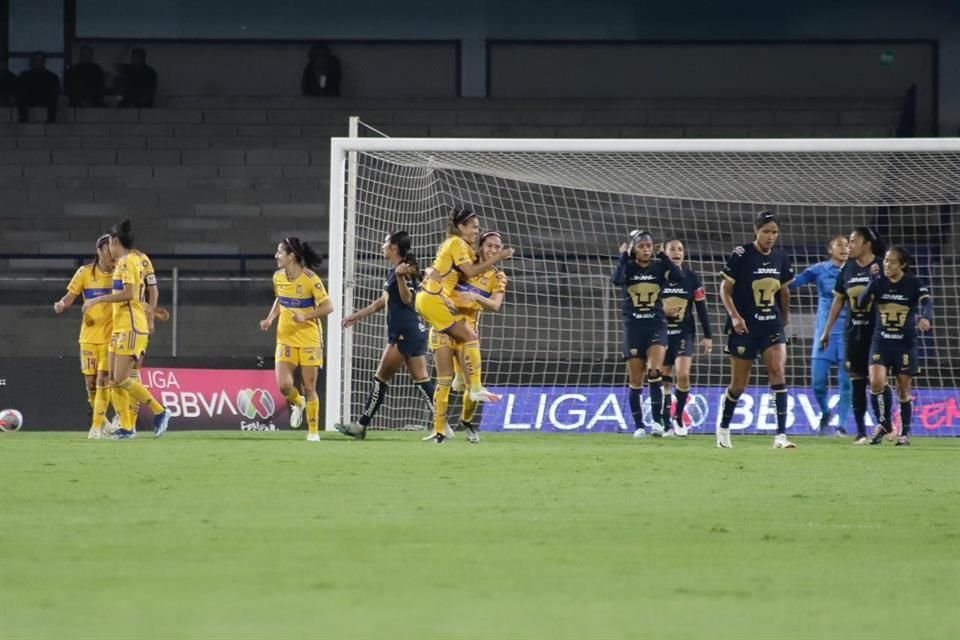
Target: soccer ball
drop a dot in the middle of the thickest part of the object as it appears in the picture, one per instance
(10, 420)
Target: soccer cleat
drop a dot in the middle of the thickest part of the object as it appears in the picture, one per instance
(352, 429)
(780, 442)
(670, 433)
(657, 431)
(482, 395)
(723, 439)
(160, 423)
(95, 433)
(296, 413)
(439, 438)
(903, 441)
(682, 431)
(824, 422)
(878, 435)
(313, 437)
(639, 433)
(473, 433)
(860, 440)
(112, 426)
(841, 432)
(457, 385)
(123, 434)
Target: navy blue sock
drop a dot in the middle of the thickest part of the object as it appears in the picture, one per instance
(780, 399)
(729, 406)
(636, 407)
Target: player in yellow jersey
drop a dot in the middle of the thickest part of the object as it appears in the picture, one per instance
(130, 326)
(301, 301)
(92, 280)
(456, 260)
(483, 292)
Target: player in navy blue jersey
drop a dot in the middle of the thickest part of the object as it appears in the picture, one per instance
(903, 306)
(643, 276)
(406, 332)
(679, 298)
(754, 293)
(862, 265)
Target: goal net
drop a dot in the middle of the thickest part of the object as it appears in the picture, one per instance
(554, 350)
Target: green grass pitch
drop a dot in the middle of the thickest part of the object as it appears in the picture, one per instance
(230, 535)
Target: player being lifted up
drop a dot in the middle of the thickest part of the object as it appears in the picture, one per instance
(678, 298)
(754, 293)
(903, 305)
(456, 260)
(130, 326)
(643, 277)
(301, 301)
(858, 271)
(483, 292)
(825, 275)
(96, 327)
(406, 333)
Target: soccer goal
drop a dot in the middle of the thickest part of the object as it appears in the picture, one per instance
(565, 205)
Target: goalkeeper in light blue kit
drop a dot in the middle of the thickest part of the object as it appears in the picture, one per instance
(824, 274)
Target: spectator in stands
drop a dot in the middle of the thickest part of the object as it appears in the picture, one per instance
(39, 87)
(138, 81)
(84, 81)
(321, 76)
(8, 84)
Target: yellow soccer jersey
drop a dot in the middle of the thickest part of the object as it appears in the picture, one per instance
(304, 294)
(146, 268)
(88, 282)
(129, 315)
(452, 254)
(485, 284)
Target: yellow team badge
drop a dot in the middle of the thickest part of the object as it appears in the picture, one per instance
(741, 350)
(906, 359)
(876, 357)
(634, 352)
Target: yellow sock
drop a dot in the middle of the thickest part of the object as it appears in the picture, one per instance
(294, 396)
(469, 409)
(133, 407)
(101, 398)
(313, 415)
(471, 362)
(441, 398)
(139, 392)
(119, 398)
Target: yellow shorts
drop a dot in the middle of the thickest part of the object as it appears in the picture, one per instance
(438, 339)
(129, 343)
(437, 311)
(94, 358)
(300, 356)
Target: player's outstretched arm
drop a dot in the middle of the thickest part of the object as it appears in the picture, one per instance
(374, 307)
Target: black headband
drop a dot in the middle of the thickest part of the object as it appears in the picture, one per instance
(765, 217)
(460, 216)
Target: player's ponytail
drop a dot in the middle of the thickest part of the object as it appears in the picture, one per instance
(123, 232)
(302, 252)
(404, 244)
(877, 246)
(458, 216)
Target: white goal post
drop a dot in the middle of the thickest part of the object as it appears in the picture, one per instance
(691, 187)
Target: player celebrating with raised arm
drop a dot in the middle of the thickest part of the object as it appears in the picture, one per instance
(755, 295)
(130, 326)
(455, 260)
(825, 275)
(903, 306)
(643, 277)
(681, 331)
(406, 333)
(483, 292)
(858, 271)
(90, 281)
(301, 301)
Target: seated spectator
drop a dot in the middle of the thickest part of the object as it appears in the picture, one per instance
(321, 76)
(138, 81)
(39, 87)
(8, 84)
(84, 81)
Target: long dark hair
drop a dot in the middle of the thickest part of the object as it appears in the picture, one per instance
(905, 258)
(404, 243)
(102, 240)
(458, 216)
(123, 232)
(302, 252)
(877, 247)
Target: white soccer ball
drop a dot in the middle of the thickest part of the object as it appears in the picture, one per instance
(10, 420)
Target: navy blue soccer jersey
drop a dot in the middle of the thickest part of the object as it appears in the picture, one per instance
(642, 287)
(681, 294)
(853, 281)
(401, 317)
(897, 305)
(757, 278)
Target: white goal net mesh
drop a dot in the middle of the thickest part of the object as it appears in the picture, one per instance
(567, 212)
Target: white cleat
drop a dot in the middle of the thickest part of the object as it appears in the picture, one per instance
(296, 413)
(639, 433)
(313, 437)
(482, 395)
(473, 435)
(457, 386)
(780, 442)
(723, 439)
(681, 431)
(657, 431)
(111, 427)
(95, 433)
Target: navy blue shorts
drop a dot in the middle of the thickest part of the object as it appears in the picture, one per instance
(638, 338)
(856, 358)
(678, 345)
(410, 341)
(898, 360)
(750, 346)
